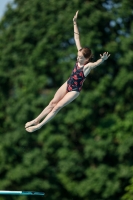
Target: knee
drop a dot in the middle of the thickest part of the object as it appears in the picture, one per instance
(57, 108)
(52, 103)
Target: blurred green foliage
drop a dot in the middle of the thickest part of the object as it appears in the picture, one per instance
(85, 152)
(129, 190)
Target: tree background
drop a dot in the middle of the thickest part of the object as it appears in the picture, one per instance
(85, 152)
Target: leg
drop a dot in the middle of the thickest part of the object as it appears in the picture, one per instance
(68, 98)
(61, 92)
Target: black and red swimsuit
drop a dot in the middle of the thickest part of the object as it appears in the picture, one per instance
(76, 79)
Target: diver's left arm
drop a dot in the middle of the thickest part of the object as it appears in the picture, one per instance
(92, 65)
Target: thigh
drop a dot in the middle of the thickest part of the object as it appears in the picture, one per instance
(68, 98)
(61, 92)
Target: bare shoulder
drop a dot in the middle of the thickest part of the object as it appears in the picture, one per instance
(89, 65)
(87, 68)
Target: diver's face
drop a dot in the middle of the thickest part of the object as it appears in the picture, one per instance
(80, 58)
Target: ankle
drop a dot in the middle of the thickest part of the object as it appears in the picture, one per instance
(36, 121)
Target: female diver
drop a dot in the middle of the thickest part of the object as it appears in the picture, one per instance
(70, 90)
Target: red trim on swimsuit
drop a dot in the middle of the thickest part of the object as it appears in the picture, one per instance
(76, 79)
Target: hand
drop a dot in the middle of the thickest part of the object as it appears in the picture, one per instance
(75, 17)
(105, 56)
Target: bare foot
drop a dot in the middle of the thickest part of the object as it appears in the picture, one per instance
(33, 128)
(33, 122)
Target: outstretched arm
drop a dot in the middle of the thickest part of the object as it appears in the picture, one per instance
(104, 57)
(76, 32)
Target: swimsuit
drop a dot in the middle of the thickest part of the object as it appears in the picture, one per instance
(75, 81)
